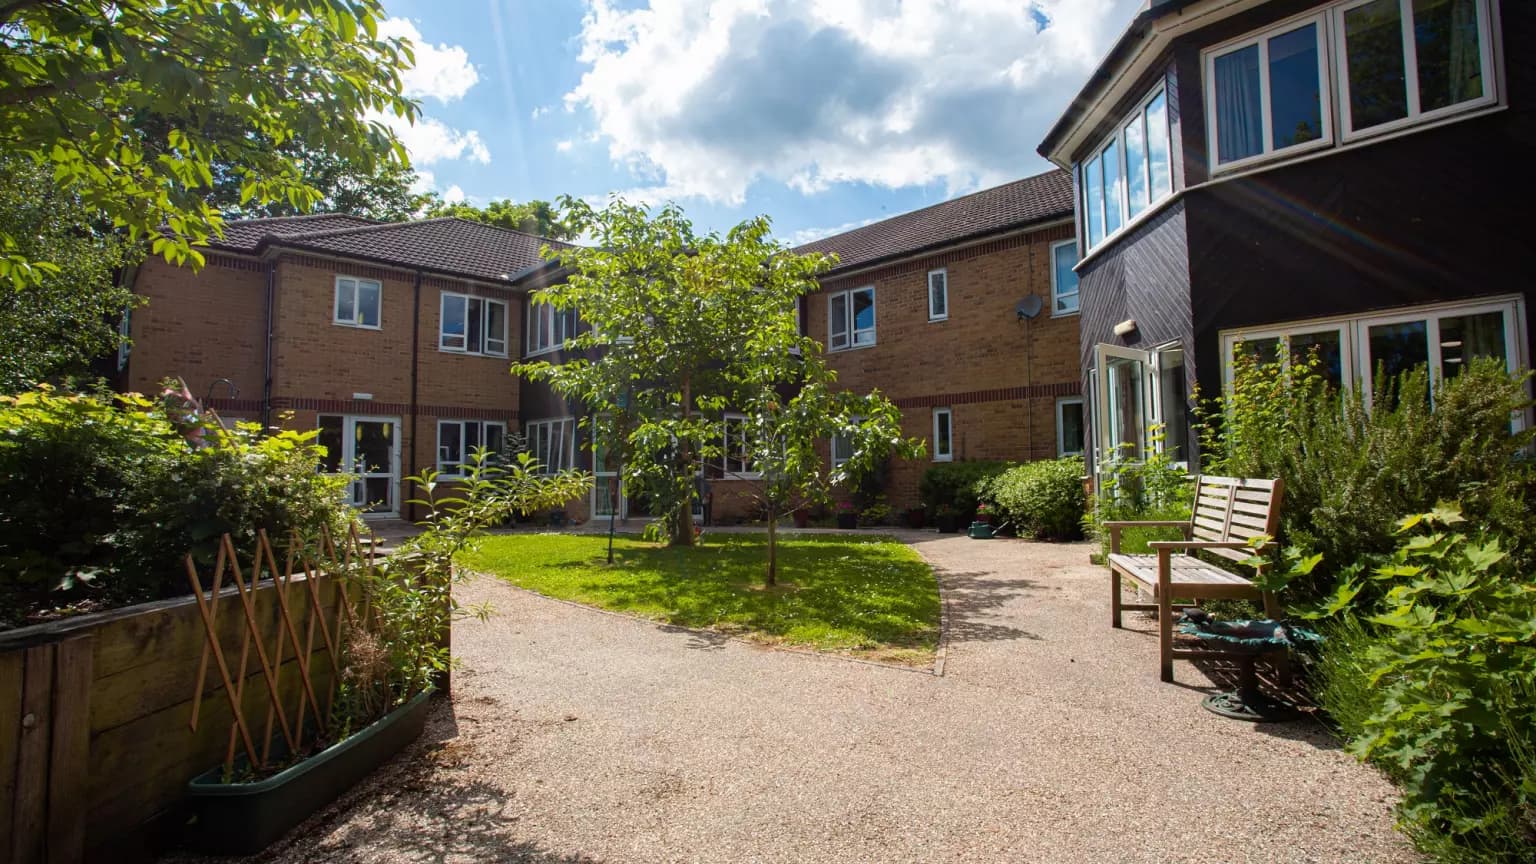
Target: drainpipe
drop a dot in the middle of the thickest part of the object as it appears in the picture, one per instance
(415, 370)
(266, 384)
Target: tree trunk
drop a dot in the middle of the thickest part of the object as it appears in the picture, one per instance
(682, 531)
(773, 548)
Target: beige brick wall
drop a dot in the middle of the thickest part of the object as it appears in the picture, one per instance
(200, 326)
(1000, 376)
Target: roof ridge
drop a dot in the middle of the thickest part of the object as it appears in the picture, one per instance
(944, 203)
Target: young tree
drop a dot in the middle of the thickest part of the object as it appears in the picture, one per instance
(685, 326)
(131, 104)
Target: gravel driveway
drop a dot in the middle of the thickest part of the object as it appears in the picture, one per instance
(579, 736)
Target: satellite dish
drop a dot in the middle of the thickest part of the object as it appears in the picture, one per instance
(1029, 307)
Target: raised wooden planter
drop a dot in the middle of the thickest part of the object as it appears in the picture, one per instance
(95, 744)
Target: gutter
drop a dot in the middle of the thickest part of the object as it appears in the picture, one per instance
(266, 384)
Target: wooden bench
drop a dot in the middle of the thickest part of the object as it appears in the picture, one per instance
(1229, 512)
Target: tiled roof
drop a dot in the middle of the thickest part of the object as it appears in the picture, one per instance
(445, 245)
(1042, 198)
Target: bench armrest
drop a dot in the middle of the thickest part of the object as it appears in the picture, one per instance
(1115, 527)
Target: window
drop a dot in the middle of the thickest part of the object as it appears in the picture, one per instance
(938, 295)
(842, 445)
(736, 459)
(473, 325)
(357, 302)
(851, 319)
(548, 327)
(943, 435)
(1268, 93)
(1129, 172)
(1443, 337)
(457, 441)
(1069, 426)
(552, 443)
(1063, 277)
(1403, 60)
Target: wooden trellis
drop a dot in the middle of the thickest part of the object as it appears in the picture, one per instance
(310, 701)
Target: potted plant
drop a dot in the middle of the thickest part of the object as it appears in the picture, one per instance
(916, 517)
(947, 518)
(393, 658)
(847, 515)
(984, 513)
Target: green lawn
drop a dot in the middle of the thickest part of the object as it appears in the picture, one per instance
(866, 596)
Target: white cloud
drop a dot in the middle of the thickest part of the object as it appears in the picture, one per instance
(538, 112)
(810, 235)
(431, 140)
(705, 97)
(453, 194)
(442, 72)
(564, 145)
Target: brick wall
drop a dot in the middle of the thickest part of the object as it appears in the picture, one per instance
(1000, 376)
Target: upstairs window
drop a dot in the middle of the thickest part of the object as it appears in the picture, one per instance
(473, 325)
(1268, 93)
(1063, 277)
(357, 302)
(851, 319)
(548, 327)
(1130, 171)
(1406, 60)
(938, 295)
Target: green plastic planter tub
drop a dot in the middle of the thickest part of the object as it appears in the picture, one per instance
(980, 531)
(245, 818)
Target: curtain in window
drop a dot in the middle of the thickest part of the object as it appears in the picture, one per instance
(1239, 108)
(1445, 36)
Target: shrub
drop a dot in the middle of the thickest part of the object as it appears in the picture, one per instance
(1352, 465)
(953, 485)
(1439, 690)
(100, 497)
(1043, 500)
(1154, 489)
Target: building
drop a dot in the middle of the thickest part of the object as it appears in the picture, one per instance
(392, 339)
(1341, 174)
(964, 314)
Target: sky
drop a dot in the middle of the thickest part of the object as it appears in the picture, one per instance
(823, 114)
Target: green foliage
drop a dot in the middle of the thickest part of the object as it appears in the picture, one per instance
(384, 189)
(1351, 466)
(877, 513)
(133, 106)
(1441, 692)
(1152, 490)
(540, 218)
(864, 595)
(100, 498)
(957, 486)
(67, 317)
(1042, 500)
(684, 327)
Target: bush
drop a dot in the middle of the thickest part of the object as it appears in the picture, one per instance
(1154, 489)
(1043, 500)
(1353, 465)
(953, 485)
(100, 497)
(1437, 686)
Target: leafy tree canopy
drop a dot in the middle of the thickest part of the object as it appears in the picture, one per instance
(683, 328)
(132, 103)
(534, 217)
(384, 191)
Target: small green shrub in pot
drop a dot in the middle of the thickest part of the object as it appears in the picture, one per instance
(1043, 500)
(953, 485)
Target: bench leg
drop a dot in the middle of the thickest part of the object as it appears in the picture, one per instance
(1165, 633)
(1114, 597)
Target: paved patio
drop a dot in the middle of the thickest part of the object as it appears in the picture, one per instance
(580, 736)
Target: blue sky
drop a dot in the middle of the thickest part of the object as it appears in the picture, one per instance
(823, 114)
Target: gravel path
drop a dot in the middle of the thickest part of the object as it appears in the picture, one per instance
(577, 736)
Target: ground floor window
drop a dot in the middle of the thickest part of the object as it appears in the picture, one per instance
(1355, 350)
(552, 443)
(1069, 426)
(457, 441)
(943, 435)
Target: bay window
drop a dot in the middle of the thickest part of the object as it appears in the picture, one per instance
(548, 328)
(1129, 172)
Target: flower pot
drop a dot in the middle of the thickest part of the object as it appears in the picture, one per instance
(916, 518)
(948, 524)
(245, 818)
(847, 520)
(980, 531)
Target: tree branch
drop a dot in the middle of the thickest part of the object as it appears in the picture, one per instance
(19, 95)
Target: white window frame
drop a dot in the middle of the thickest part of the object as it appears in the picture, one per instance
(943, 274)
(457, 472)
(725, 457)
(949, 418)
(1415, 117)
(1056, 293)
(1261, 38)
(1356, 365)
(832, 453)
(1061, 440)
(562, 427)
(563, 325)
(356, 289)
(443, 337)
(850, 334)
(1117, 138)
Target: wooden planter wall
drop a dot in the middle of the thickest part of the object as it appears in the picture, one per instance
(96, 746)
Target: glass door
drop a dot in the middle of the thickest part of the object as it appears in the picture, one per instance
(1122, 410)
(368, 448)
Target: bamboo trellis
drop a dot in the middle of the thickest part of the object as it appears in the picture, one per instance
(332, 567)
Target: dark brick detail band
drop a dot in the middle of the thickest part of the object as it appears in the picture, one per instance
(368, 407)
(1002, 394)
